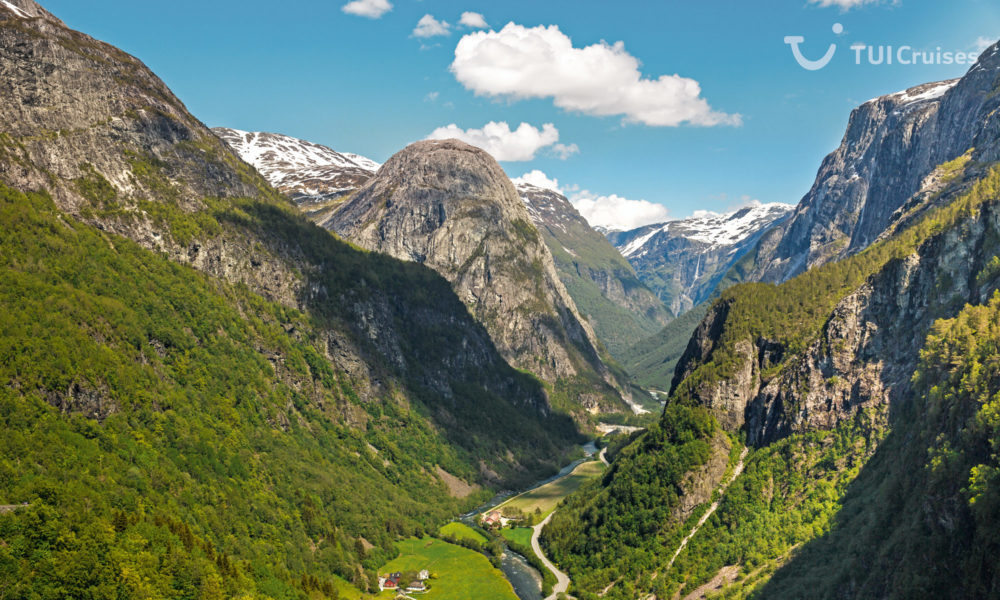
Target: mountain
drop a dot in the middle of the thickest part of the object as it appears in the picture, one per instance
(683, 261)
(317, 178)
(892, 146)
(204, 394)
(450, 206)
(604, 285)
(863, 388)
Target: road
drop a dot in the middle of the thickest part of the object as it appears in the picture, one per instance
(562, 580)
(711, 509)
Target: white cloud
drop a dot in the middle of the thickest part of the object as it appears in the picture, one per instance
(611, 212)
(372, 9)
(538, 179)
(615, 212)
(499, 140)
(473, 20)
(602, 79)
(428, 26)
(982, 43)
(564, 151)
(431, 96)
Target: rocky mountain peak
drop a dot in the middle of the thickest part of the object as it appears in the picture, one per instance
(451, 207)
(892, 144)
(25, 9)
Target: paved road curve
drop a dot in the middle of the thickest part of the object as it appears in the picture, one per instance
(562, 580)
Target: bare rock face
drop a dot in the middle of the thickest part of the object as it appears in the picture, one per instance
(450, 206)
(892, 144)
(868, 349)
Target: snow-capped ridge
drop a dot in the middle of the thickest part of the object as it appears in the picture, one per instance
(304, 170)
(714, 230)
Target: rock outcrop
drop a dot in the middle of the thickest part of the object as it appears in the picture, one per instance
(868, 349)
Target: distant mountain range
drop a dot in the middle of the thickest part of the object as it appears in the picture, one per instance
(683, 261)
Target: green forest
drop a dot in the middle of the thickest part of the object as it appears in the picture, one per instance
(172, 436)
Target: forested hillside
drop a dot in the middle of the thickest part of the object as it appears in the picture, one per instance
(206, 395)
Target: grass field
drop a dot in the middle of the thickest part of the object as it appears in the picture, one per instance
(461, 531)
(456, 573)
(548, 496)
(519, 535)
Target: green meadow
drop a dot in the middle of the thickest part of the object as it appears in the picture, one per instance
(461, 531)
(518, 535)
(548, 496)
(456, 573)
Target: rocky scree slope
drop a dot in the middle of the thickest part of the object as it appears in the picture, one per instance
(602, 283)
(160, 253)
(684, 260)
(449, 206)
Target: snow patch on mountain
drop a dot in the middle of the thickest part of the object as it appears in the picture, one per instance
(303, 170)
(712, 230)
(17, 11)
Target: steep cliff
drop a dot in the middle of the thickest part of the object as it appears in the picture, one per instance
(450, 206)
(892, 144)
(603, 284)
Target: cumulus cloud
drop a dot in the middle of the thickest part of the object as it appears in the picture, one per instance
(539, 179)
(499, 140)
(372, 9)
(473, 20)
(617, 213)
(428, 26)
(519, 62)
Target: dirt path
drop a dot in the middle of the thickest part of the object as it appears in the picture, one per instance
(603, 456)
(711, 509)
(562, 580)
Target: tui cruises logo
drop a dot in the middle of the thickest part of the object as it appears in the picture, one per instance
(878, 55)
(812, 65)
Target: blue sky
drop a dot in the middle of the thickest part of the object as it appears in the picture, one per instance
(369, 85)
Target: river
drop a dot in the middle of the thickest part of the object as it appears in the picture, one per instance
(526, 580)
